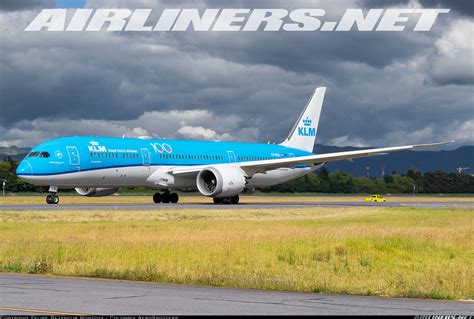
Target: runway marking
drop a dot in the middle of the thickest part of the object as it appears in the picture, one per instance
(49, 312)
(127, 297)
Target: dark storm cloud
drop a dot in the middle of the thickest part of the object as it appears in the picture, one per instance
(383, 87)
(17, 5)
(307, 51)
(383, 3)
(463, 7)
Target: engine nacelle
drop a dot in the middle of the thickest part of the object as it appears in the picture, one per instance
(220, 181)
(95, 192)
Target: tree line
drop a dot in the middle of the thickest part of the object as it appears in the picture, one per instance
(13, 183)
(412, 181)
(322, 181)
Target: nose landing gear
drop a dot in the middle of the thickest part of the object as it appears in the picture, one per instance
(52, 198)
(166, 197)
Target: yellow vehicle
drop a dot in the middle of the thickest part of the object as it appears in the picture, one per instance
(375, 198)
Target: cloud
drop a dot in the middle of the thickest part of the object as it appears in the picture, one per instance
(383, 87)
(201, 133)
(453, 60)
(346, 140)
(189, 124)
(18, 5)
(463, 7)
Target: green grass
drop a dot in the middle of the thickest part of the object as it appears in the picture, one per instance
(372, 251)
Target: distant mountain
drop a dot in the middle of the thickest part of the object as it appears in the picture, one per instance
(423, 161)
(15, 153)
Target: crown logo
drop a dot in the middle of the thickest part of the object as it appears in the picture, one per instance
(307, 122)
(94, 143)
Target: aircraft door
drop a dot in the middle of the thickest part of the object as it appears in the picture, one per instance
(231, 156)
(73, 155)
(146, 157)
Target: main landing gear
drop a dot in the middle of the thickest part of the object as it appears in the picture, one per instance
(52, 198)
(166, 197)
(227, 200)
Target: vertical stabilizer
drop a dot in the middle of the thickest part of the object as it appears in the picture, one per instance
(303, 134)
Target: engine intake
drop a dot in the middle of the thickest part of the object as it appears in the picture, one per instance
(223, 181)
(95, 192)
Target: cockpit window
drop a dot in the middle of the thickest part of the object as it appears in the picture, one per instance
(33, 154)
(44, 154)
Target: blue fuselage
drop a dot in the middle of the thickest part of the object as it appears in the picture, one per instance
(79, 154)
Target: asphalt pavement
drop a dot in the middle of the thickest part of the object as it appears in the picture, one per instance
(34, 294)
(247, 205)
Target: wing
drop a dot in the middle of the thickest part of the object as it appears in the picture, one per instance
(253, 167)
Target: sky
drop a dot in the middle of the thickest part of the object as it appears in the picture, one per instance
(383, 88)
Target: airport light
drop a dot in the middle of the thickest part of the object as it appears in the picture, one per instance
(4, 181)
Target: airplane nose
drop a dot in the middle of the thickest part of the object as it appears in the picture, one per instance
(24, 170)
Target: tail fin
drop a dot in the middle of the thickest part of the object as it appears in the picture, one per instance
(303, 134)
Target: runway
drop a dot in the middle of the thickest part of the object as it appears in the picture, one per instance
(247, 205)
(33, 294)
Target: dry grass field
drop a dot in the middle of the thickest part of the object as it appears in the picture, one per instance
(244, 199)
(407, 252)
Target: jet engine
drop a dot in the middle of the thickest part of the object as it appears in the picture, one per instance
(221, 181)
(95, 192)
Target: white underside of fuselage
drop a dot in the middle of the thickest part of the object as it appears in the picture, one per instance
(151, 177)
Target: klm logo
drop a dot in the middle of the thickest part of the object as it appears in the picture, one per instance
(306, 129)
(95, 147)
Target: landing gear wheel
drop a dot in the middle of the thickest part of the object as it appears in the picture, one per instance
(157, 198)
(174, 198)
(165, 198)
(234, 199)
(52, 199)
(217, 200)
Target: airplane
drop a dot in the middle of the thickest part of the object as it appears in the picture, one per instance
(99, 166)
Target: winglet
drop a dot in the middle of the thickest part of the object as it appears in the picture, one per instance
(432, 144)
